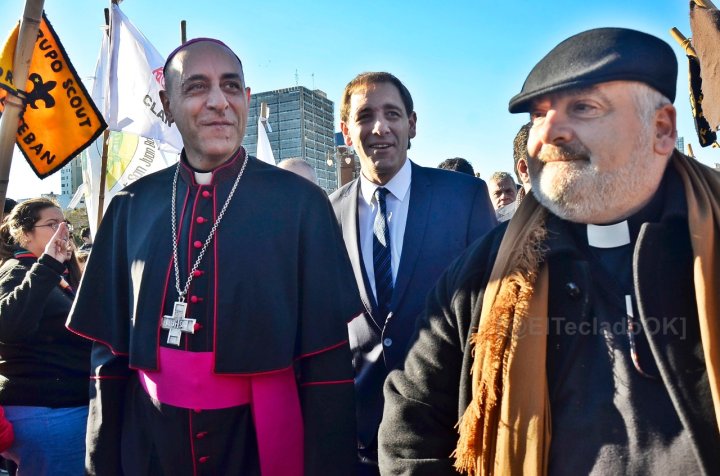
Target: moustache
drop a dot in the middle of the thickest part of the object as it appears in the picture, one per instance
(564, 153)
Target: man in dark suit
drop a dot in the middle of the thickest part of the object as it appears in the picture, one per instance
(403, 224)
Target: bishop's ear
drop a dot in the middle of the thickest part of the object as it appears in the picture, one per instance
(665, 130)
(166, 105)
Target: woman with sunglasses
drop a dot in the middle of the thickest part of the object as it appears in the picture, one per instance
(44, 367)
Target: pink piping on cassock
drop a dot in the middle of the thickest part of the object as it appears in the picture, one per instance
(273, 397)
(190, 260)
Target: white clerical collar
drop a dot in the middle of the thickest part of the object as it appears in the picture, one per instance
(398, 185)
(609, 236)
(203, 178)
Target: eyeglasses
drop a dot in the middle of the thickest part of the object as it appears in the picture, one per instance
(55, 225)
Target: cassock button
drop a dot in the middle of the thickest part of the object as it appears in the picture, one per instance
(195, 299)
(572, 289)
(197, 410)
(206, 194)
(198, 244)
(197, 327)
(201, 435)
(387, 342)
(203, 459)
(200, 220)
(197, 273)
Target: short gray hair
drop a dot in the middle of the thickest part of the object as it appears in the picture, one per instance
(499, 177)
(647, 100)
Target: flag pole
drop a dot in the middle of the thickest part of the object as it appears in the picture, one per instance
(106, 138)
(683, 41)
(27, 37)
(704, 4)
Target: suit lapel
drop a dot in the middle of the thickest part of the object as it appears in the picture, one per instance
(417, 219)
(351, 236)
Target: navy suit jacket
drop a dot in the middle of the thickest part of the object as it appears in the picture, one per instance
(447, 211)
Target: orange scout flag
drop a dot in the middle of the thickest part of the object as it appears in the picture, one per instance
(60, 119)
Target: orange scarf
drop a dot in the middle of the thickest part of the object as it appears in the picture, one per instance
(506, 427)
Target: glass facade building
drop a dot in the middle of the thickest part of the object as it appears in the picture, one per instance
(680, 144)
(71, 177)
(302, 124)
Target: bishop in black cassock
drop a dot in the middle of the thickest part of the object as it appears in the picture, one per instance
(255, 376)
(272, 294)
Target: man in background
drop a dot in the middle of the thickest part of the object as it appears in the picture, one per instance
(86, 239)
(503, 191)
(457, 164)
(299, 167)
(520, 159)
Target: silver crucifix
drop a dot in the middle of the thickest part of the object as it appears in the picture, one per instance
(178, 323)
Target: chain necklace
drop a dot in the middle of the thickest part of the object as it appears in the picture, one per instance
(175, 238)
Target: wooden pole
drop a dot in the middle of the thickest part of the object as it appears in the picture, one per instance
(683, 41)
(103, 172)
(705, 4)
(105, 138)
(29, 27)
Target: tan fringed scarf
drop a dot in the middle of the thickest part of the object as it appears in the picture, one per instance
(506, 428)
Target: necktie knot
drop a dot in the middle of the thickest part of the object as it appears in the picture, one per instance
(380, 194)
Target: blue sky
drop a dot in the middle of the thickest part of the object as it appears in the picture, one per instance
(461, 60)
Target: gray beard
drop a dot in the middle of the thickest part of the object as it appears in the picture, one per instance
(575, 190)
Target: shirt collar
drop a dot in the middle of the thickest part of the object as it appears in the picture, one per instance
(224, 172)
(398, 185)
(608, 236)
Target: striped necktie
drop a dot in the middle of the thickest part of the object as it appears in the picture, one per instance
(382, 255)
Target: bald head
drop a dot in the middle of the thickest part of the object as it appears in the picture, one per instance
(205, 96)
(299, 167)
(174, 63)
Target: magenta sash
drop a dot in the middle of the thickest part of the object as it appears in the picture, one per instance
(187, 380)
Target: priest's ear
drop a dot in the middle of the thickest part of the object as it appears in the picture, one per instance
(665, 130)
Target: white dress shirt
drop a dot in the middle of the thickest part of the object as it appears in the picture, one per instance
(396, 203)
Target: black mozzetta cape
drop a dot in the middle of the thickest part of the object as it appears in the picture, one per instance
(274, 290)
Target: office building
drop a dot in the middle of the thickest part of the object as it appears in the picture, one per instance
(302, 124)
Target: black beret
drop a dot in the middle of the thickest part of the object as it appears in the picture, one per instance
(597, 56)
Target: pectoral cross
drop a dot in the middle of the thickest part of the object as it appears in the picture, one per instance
(178, 323)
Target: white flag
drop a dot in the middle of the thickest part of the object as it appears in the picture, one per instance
(77, 196)
(91, 157)
(129, 156)
(135, 81)
(264, 151)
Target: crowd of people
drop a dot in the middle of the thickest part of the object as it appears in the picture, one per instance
(233, 319)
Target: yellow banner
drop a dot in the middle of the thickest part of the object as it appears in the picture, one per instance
(60, 118)
(6, 62)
